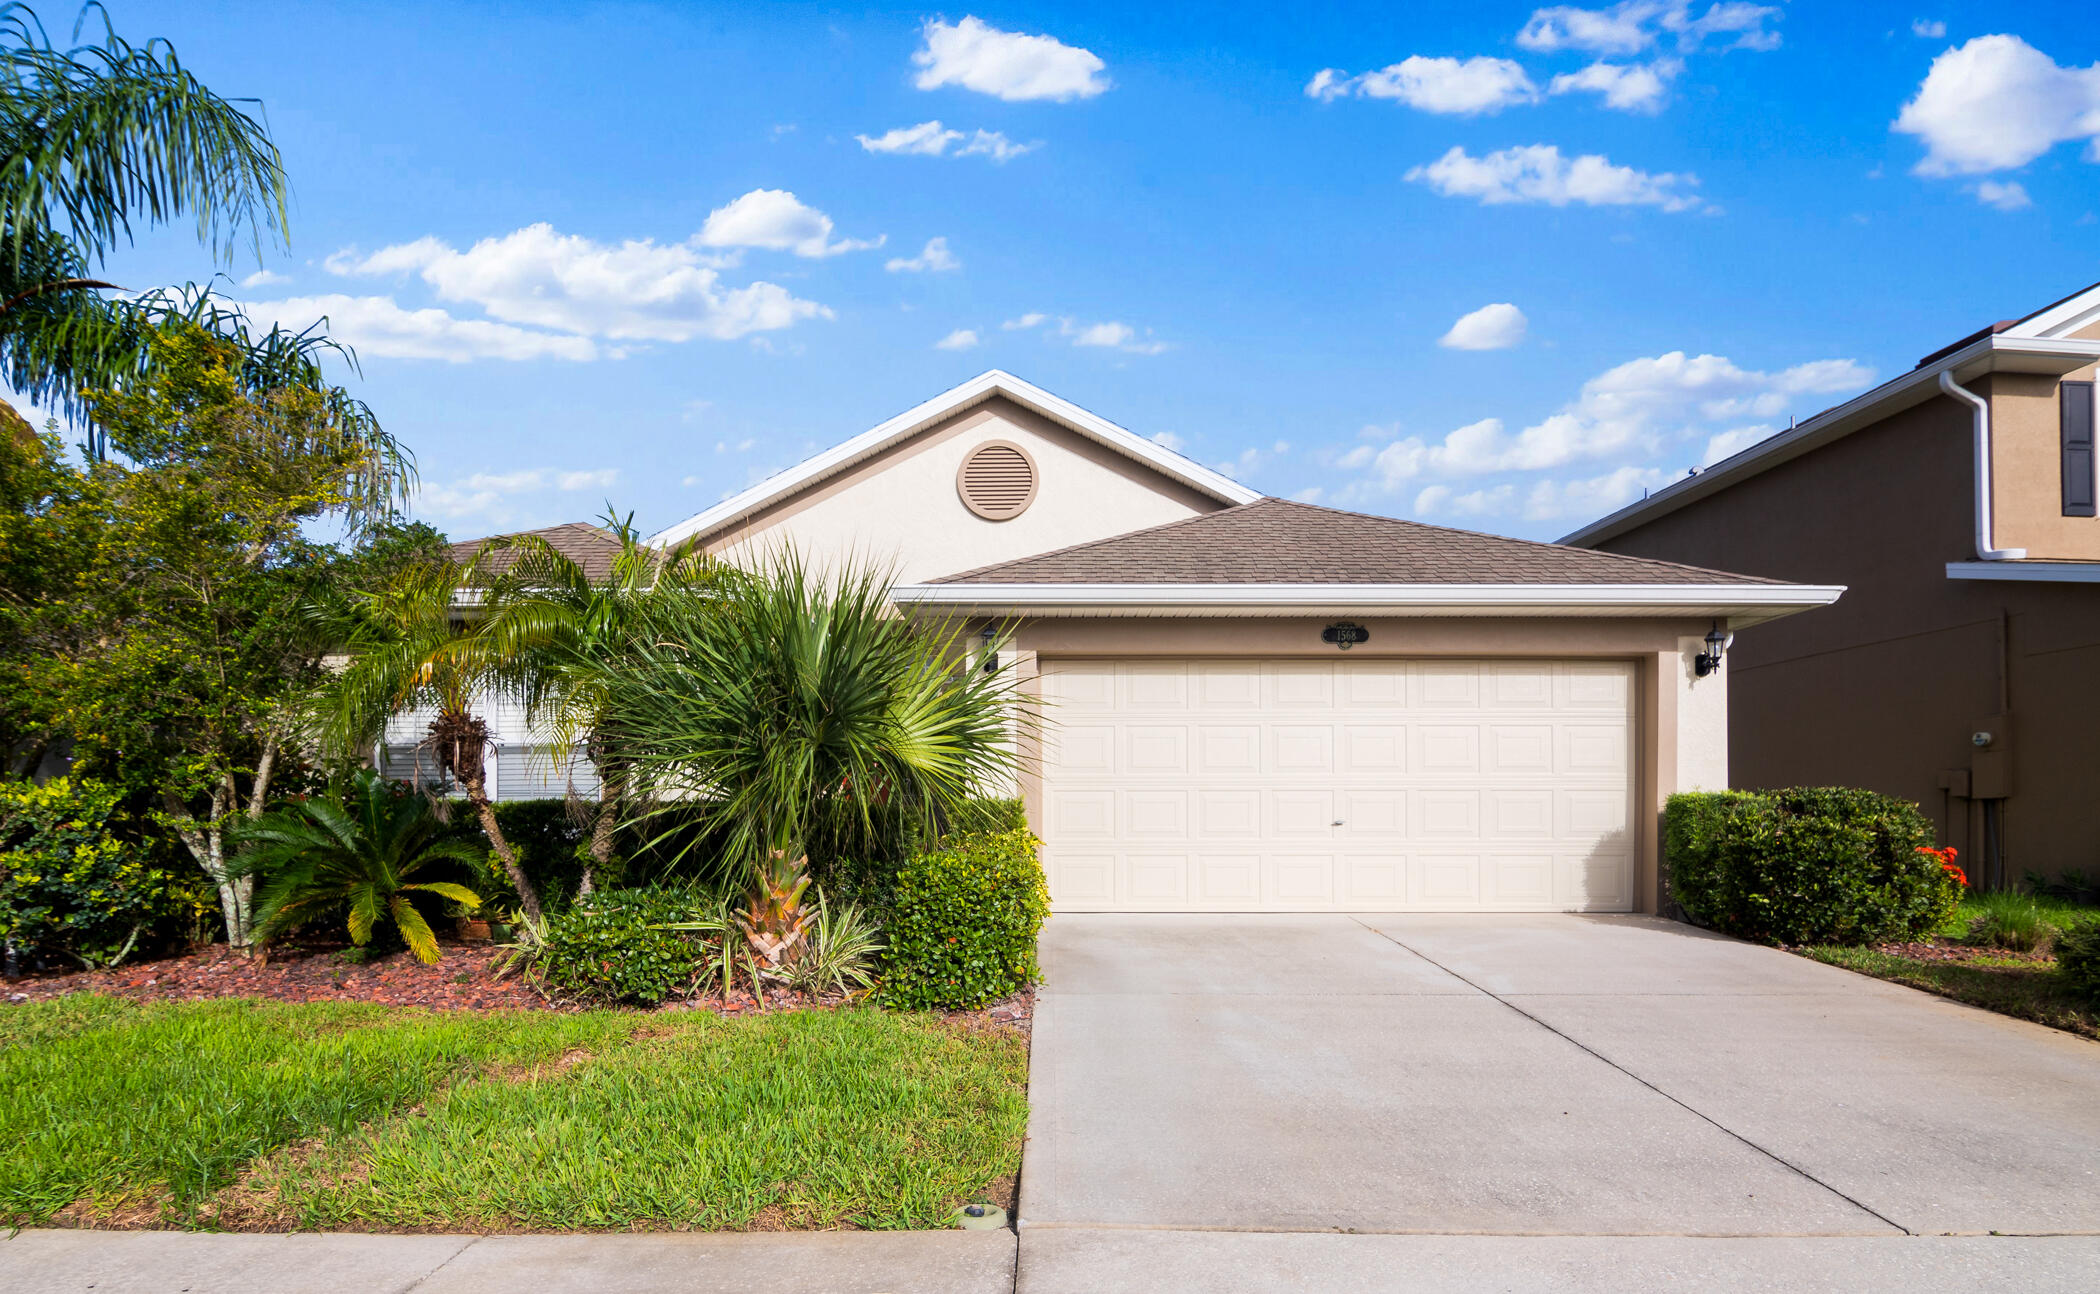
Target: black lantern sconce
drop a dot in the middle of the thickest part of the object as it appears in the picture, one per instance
(1709, 661)
(991, 650)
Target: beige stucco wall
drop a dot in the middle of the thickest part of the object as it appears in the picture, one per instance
(1680, 727)
(2027, 468)
(1702, 720)
(901, 507)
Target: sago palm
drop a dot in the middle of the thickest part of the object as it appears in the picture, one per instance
(565, 635)
(315, 855)
(781, 697)
(411, 645)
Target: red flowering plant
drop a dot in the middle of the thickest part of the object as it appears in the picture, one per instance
(1946, 857)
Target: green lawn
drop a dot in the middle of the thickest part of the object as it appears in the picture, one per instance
(2012, 985)
(251, 1114)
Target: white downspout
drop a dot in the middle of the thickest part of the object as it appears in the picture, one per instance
(1980, 416)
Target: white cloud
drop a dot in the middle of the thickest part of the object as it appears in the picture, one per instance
(497, 498)
(1112, 335)
(1634, 25)
(1635, 87)
(1727, 444)
(931, 139)
(936, 257)
(1442, 500)
(1029, 320)
(776, 220)
(1538, 173)
(1310, 494)
(960, 339)
(1445, 85)
(637, 290)
(1635, 407)
(1253, 459)
(1170, 440)
(691, 481)
(1927, 28)
(2011, 195)
(1553, 500)
(1997, 102)
(1010, 65)
(265, 278)
(377, 327)
(1492, 327)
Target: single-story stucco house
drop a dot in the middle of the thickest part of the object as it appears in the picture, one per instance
(1259, 705)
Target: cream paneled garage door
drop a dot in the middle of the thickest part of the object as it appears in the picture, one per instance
(1352, 783)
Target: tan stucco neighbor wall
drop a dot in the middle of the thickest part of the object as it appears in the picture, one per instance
(901, 507)
(1680, 723)
(2027, 469)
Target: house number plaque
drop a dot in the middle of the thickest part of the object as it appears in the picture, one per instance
(1345, 635)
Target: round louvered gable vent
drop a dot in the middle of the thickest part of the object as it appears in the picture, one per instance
(997, 480)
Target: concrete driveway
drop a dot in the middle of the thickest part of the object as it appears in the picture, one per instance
(1202, 1077)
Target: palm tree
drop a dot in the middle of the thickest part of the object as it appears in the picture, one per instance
(411, 645)
(566, 634)
(779, 698)
(316, 854)
(94, 141)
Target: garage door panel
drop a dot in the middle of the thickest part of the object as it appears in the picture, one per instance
(1233, 816)
(1155, 748)
(1354, 783)
(1295, 815)
(1374, 749)
(1303, 880)
(1299, 749)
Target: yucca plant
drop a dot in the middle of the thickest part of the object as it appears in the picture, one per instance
(777, 696)
(314, 855)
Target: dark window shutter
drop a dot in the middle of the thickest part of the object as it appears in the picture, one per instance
(2078, 448)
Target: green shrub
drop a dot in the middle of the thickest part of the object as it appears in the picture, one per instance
(1808, 865)
(2005, 919)
(963, 923)
(857, 862)
(2078, 958)
(68, 885)
(610, 947)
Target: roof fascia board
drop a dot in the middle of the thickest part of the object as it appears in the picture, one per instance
(1395, 598)
(2061, 319)
(1985, 355)
(920, 416)
(2037, 572)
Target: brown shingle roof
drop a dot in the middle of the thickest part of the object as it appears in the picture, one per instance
(1273, 541)
(590, 547)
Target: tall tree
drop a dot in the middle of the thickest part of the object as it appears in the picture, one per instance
(154, 601)
(106, 136)
(566, 634)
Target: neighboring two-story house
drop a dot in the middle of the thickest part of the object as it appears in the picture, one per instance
(1961, 669)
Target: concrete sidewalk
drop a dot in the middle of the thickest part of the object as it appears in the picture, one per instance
(833, 1262)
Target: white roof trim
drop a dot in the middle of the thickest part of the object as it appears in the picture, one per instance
(2061, 319)
(921, 416)
(2039, 572)
(1999, 352)
(1742, 603)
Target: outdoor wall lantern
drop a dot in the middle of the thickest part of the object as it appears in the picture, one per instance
(1709, 661)
(991, 653)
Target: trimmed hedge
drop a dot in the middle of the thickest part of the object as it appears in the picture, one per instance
(2078, 958)
(1807, 865)
(606, 948)
(854, 864)
(71, 886)
(962, 925)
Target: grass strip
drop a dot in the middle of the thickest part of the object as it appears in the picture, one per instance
(803, 1120)
(110, 1103)
(2029, 992)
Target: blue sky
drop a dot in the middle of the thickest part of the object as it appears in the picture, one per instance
(642, 252)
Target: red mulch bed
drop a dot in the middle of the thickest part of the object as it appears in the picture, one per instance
(464, 979)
